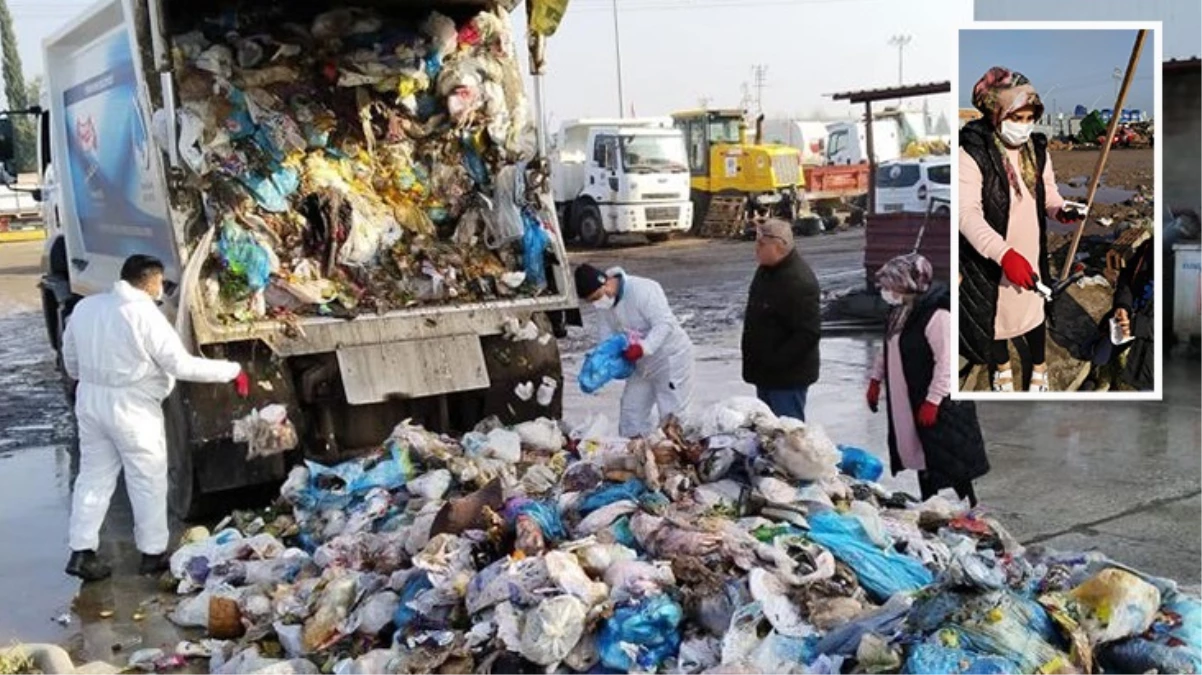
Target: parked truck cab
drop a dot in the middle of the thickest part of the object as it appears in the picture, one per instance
(626, 176)
(345, 381)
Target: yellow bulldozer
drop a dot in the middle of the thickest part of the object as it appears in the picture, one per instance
(733, 181)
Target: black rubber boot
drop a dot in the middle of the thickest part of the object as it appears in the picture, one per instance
(154, 564)
(86, 566)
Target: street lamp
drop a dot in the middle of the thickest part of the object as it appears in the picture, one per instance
(901, 41)
(618, 58)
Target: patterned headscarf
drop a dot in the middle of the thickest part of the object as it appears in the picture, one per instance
(907, 275)
(998, 94)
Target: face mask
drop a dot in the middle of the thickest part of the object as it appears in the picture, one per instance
(605, 302)
(891, 297)
(1015, 134)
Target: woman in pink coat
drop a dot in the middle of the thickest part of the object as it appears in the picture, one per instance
(1007, 187)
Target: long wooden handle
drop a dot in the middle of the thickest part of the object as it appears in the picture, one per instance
(1067, 269)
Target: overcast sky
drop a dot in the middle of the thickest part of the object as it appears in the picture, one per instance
(676, 51)
(1067, 67)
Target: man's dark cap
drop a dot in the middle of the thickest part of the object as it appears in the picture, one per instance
(588, 280)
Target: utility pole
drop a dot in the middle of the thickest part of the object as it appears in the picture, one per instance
(760, 73)
(704, 102)
(901, 41)
(1117, 76)
(618, 58)
(745, 101)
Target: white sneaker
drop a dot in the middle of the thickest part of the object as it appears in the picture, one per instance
(1039, 381)
(1003, 380)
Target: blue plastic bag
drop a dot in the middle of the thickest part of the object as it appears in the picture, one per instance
(546, 514)
(244, 256)
(1173, 644)
(882, 573)
(603, 496)
(534, 244)
(860, 464)
(650, 629)
(406, 615)
(604, 363)
(271, 191)
(389, 474)
(935, 658)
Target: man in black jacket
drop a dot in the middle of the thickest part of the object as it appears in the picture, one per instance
(782, 325)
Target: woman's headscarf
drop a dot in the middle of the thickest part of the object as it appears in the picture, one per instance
(907, 275)
(997, 95)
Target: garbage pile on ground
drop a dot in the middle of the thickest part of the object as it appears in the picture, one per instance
(737, 542)
(358, 162)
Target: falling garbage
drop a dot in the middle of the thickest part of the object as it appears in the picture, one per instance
(544, 547)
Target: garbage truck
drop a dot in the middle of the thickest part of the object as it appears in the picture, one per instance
(333, 192)
(621, 176)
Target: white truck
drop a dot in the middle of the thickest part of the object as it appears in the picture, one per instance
(621, 176)
(809, 138)
(892, 132)
(345, 381)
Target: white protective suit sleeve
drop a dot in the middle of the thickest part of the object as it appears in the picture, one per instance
(653, 304)
(168, 352)
(69, 353)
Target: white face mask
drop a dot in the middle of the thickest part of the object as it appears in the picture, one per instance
(890, 297)
(1015, 134)
(605, 302)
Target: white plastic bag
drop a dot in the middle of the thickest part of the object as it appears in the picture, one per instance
(552, 629)
(540, 434)
(780, 611)
(430, 486)
(740, 412)
(564, 569)
(807, 454)
(506, 220)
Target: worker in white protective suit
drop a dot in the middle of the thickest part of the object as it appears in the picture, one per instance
(661, 350)
(126, 357)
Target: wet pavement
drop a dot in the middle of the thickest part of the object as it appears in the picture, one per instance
(1119, 477)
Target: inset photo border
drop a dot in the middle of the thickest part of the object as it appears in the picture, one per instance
(1009, 281)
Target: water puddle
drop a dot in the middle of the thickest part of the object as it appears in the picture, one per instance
(1104, 195)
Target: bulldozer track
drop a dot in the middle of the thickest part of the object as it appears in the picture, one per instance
(725, 217)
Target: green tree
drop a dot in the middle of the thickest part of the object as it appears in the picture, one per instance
(15, 94)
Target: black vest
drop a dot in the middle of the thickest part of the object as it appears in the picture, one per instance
(953, 448)
(981, 276)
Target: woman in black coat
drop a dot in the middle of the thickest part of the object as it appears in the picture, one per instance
(928, 431)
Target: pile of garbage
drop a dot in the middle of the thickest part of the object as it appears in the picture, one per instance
(356, 162)
(737, 542)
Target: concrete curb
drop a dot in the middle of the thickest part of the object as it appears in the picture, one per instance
(47, 658)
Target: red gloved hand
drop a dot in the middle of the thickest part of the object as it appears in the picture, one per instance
(874, 395)
(927, 414)
(1018, 270)
(634, 352)
(242, 384)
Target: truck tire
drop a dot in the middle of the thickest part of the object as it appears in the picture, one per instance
(588, 225)
(943, 211)
(182, 495)
(701, 205)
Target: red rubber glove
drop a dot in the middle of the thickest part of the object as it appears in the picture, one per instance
(874, 395)
(1018, 270)
(633, 353)
(242, 384)
(927, 414)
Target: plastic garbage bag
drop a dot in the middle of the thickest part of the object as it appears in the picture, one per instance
(630, 490)
(605, 363)
(936, 658)
(604, 517)
(370, 617)
(779, 609)
(545, 514)
(1173, 644)
(998, 623)
(552, 629)
(1115, 604)
(806, 454)
(870, 520)
(733, 414)
(506, 222)
(539, 479)
(266, 432)
(860, 464)
(507, 580)
(540, 434)
(430, 486)
(244, 256)
(637, 579)
(501, 444)
(535, 241)
(564, 569)
(881, 573)
(642, 635)
(886, 620)
(193, 612)
(332, 608)
(697, 655)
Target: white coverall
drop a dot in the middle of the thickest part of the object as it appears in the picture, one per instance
(126, 357)
(663, 378)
